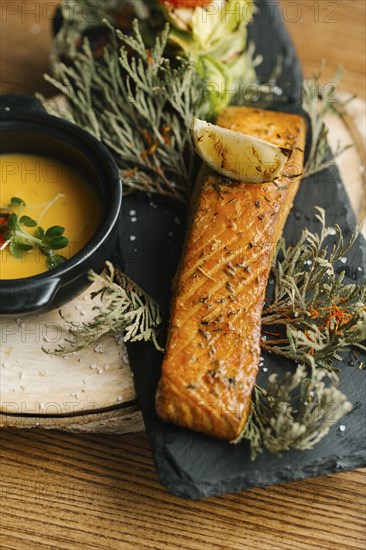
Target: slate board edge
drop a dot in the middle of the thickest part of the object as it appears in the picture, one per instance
(188, 489)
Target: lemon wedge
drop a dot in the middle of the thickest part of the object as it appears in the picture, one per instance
(238, 156)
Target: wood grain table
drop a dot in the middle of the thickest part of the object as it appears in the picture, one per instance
(65, 491)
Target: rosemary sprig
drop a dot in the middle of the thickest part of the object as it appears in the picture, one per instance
(139, 106)
(295, 411)
(19, 241)
(124, 310)
(316, 315)
(318, 104)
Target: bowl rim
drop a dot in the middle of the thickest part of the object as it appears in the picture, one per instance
(106, 225)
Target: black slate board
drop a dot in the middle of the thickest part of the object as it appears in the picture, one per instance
(192, 465)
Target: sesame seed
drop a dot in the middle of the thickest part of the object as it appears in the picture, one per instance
(359, 268)
(119, 398)
(134, 219)
(93, 367)
(132, 212)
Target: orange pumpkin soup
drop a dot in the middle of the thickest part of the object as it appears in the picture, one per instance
(51, 195)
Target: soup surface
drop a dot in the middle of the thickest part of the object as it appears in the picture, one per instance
(54, 195)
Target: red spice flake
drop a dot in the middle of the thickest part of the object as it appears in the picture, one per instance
(149, 58)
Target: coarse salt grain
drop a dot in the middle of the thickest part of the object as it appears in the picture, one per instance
(132, 238)
(119, 398)
(265, 369)
(134, 220)
(342, 428)
(343, 260)
(132, 212)
(93, 367)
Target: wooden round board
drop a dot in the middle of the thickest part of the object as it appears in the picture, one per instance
(93, 390)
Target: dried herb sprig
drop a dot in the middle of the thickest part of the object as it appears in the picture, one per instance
(125, 310)
(139, 106)
(295, 411)
(318, 102)
(316, 315)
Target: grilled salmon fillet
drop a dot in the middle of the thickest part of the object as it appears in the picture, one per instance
(213, 347)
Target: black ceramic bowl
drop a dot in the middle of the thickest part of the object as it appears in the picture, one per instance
(26, 128)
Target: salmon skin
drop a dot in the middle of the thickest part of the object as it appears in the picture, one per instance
(213, 349)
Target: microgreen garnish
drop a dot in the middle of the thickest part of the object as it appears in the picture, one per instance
(19, 241)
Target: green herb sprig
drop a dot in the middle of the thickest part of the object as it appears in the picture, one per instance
(20, 242)
(294, 411)
(316, 315)
(318, 102)
(125, 310)
(139, 106)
